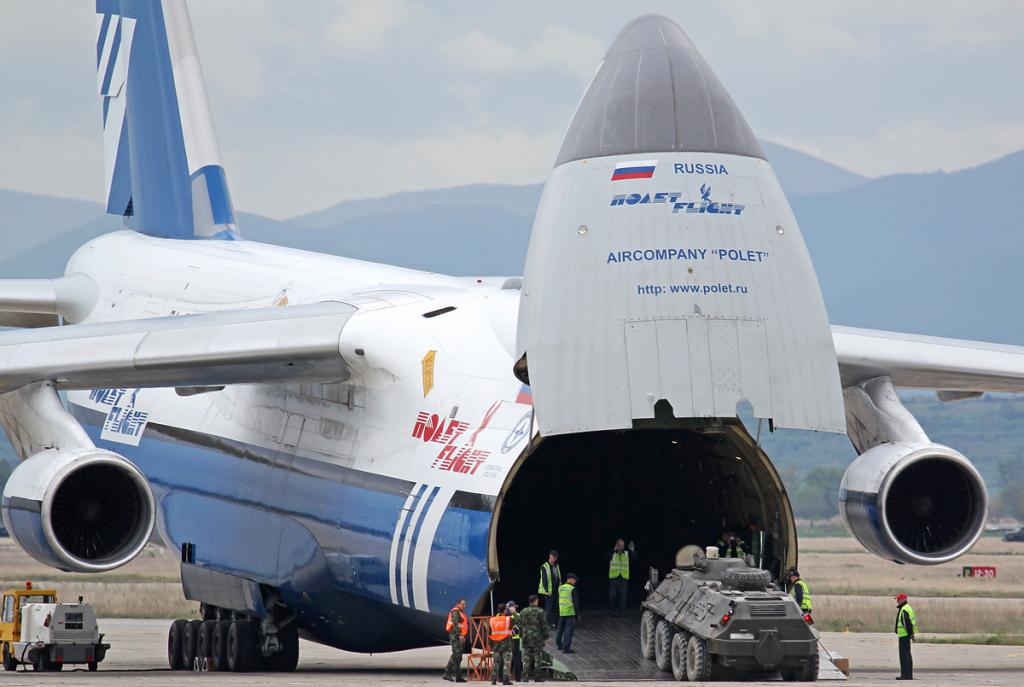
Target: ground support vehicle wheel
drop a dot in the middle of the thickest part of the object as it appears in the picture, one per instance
(41, 664)
(242, 646)
(663, 644)
(285, 660)
(93, 666)
(10, 663)
(647, 626)
(679, 643)
(189, 638)
(698, 660)
(175, 637)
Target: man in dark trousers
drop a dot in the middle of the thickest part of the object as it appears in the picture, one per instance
(906, 630)
(619, 563)
(568, 613)
(550, 581)
(512, 609)
(801, 592)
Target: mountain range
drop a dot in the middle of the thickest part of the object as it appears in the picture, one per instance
(929, 253)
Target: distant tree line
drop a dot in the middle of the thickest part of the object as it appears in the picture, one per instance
(814, 493)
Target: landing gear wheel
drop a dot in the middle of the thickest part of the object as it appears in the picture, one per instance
(242, 646)
(698, 660)
(805, 673)
(663, 644)
(204, 641)
(679, 643)
(220, 644)
(174, 640)
(188, 643)
(647, 625)
(10, 663)
(287, 658)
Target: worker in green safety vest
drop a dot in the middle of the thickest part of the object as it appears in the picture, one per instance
(906, 630)
(568, 613)
(801, 592)
(547, 588)
(618, 576)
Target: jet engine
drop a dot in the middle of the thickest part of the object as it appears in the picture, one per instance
(919, 503)
(80, 510)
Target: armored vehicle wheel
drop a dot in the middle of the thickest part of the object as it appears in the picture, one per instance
(679, 642)
(698, 660)
(242, 646)
(188, 643)
(647, 626)
(746, 579)
(805, 673)
(174, 639)
(663, 644)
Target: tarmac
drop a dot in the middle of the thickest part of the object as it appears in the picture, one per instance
(138, 657)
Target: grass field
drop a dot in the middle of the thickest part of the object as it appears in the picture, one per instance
(148, 587)
(852, 590)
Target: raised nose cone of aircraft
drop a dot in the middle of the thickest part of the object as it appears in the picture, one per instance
(654, 93)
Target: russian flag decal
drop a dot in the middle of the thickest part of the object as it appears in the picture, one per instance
(634, 169)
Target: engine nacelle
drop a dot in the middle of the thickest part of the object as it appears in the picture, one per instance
(914, 503)
(81, 510)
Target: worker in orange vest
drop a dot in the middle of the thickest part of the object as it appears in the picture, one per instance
(501, 645)
(458, 628)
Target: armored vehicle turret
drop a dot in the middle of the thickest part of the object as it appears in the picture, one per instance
(722, 612)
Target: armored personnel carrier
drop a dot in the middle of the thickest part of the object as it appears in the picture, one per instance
(722, 612)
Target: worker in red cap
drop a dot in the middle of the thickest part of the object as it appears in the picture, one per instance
(906, 630)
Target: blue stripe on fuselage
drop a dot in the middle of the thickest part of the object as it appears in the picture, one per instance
(409, 601)
(406, 526)
(350, 515)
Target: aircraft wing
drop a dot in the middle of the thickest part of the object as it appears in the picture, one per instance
(289, 343)
(927, 362)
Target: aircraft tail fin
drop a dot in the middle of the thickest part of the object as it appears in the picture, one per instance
(164, 173)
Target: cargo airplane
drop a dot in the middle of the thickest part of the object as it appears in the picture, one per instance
(340, 450)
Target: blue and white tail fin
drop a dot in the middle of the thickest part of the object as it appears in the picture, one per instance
(163, 167)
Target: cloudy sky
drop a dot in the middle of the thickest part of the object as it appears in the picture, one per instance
(324, 100)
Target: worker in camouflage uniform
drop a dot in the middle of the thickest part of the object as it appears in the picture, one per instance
(533, 625)
(458, 628)
(501, 645)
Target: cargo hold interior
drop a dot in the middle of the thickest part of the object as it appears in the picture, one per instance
(662, 487)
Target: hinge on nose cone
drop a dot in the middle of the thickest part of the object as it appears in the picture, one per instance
(521, 370)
